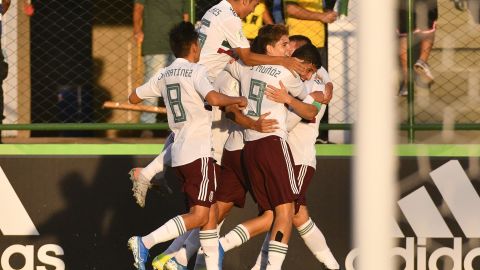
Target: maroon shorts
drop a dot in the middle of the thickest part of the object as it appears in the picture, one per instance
(199, 181)
(304, 174)
(233, 187)
(269, 164)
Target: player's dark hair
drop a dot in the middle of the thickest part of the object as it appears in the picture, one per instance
(182, 36)
(300, 38)
(255, 46)
(269, 35)
(308, 53)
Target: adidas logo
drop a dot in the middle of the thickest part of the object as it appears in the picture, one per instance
(427, 222)
(15, 221)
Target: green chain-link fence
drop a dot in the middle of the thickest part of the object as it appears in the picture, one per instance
(70, 56)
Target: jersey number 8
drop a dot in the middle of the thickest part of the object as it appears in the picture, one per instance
(174, 96)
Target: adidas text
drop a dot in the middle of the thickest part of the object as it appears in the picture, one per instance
(44, 256)
(418, 250)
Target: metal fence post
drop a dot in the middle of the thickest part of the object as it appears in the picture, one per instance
(191, 12)
(410, 76)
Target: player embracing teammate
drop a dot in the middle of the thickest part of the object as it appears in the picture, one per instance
(267, 157)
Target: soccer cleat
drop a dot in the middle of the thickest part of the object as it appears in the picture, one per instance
(172, 264)
(160, 260)
(423, 72)
(140, 185)
(221, 253)
(140, 252)
(326, 257)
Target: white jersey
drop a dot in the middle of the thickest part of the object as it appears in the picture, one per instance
(184, 86)
(221, 125)
(153, 87)
(254, 81)
(220, 32)
(302, 133)
(230, 86)
(322, 75)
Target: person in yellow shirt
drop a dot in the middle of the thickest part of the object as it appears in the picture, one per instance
(308, 18)
(253, 22)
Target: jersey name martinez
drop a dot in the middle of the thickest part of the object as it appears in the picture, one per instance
(178, 72)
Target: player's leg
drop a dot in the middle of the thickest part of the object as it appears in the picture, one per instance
(189, 247)
(308, 230)
(262, 259)
(269, 165)
(208, 236)
(197, 174)
(314, 238)
(141, 177)
(247, 230)
(175, 247)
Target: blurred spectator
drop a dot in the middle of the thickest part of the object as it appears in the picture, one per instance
(425, 15)
(5, 4)
(253, 22)
(276, 9)
(152, 19)
(308, 18)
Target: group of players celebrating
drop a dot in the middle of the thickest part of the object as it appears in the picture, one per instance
(273, 91)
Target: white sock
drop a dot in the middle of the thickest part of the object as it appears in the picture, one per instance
(262, 259)
(168, 231)
(154, 167)
(190, 247)
(209, 243)
(177, 244)
(235, 238)
(312, 236)
(200, 261)
(276, 254)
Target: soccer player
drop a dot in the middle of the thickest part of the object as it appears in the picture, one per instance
(232, 190)
(301, 139)
(184, 86)
(221, 37)
(267, 156)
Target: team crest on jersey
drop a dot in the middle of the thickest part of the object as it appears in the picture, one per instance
(226, 48)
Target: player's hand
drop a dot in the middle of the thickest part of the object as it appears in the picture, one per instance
(329, 16)
(295, 65)
(243, 103)
(265, 125)
(318, 96)
(138, 36)
(328, 94)
(279, 95)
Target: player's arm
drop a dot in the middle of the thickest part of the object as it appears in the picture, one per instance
(134, 98)
(261, 124)
(152, 88)
(280, 95)
(218, 99)
(138, 22)
(254, 59)
(295, 11)
(323, 75)
(267, 18)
